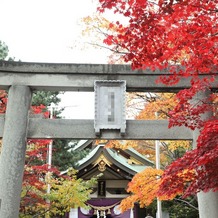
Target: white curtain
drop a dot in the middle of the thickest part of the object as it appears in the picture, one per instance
(73, 213)
(131, 214)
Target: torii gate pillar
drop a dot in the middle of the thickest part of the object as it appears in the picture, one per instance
(207, 202)
(12, 158)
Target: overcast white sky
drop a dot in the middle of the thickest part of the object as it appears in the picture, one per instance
(46, 30)
(50, 31)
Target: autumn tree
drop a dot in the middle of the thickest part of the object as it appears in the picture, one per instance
(69, 192)
(45, 190)
(152, 41)
(147, 106)
(96, 28)
(33, 195)
(66, 190)
(182, 37)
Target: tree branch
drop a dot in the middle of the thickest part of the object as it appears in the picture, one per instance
(186, 202)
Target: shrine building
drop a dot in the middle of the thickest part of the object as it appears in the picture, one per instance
(117, 168)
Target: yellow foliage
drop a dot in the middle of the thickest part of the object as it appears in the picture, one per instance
(174, 145)
(65, 193)
(159, 108)
(100, 141)
(119, 144)
(69, 193)
(143, 188)
(98, 23)
(187, 175)
(128, 202)
(96, 27)
(214, 99)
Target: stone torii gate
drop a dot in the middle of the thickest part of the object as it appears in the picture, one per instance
(16, 126)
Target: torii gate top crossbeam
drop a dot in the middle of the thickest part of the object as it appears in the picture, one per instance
(81, 77)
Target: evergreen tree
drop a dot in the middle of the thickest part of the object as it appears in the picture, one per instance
(3, 50)
(64, 156)
(45, 98)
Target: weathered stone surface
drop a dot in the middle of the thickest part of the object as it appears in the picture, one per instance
(84, 129)
(81, 77)
(13, 150)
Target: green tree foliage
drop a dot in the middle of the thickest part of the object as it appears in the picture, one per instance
(69, 193)
(3, 50)
(177, 208)
(64, 156)
(45, 98)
